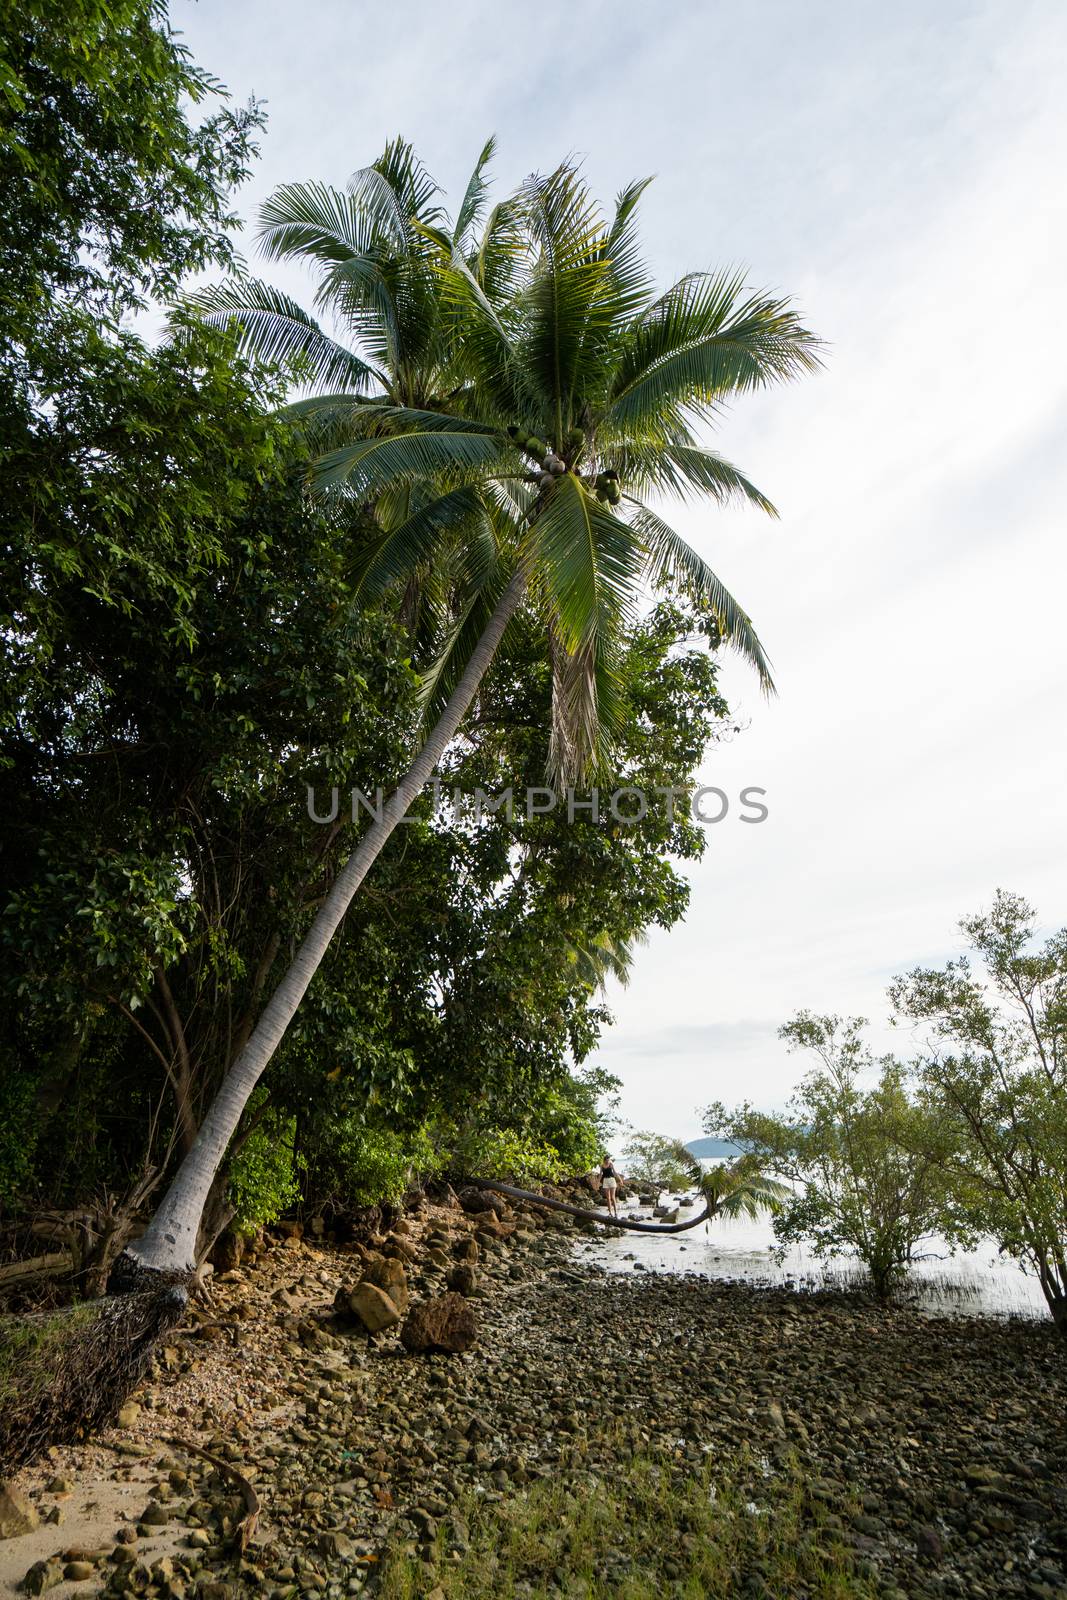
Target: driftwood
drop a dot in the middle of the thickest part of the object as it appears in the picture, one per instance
(245, 1529)
(605, 1218)
(48, 1266)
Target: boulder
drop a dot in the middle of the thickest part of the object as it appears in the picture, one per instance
(475, 1201)
(17, 1513)
(463, 1278)
(401, 1250)
(389, 1276)
(228, 1251)
(43, 1575)
(373, 1307)
(446, 1323)
(466, 1249)
(489, 1223)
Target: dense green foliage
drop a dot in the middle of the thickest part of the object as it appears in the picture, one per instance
(110, 192)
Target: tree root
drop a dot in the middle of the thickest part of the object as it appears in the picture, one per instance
(246, 1528)
(65, 1373)
(603, 1218)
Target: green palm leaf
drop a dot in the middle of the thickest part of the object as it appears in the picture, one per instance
(270, 325)
(702, 341)
(588, 562)
(394, 555)
(313, 221)
(472, 205)
(368, 466)
(672, 558)
(688, 471)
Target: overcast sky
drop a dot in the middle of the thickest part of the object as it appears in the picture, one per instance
(899, 171)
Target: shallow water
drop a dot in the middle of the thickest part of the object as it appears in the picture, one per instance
(969, 1283)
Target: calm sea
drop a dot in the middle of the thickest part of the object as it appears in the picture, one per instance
(978, 1282)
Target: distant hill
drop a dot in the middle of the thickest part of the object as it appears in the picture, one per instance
(708, 1149)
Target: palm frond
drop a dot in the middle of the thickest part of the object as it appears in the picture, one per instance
(398, 189)
(686, 470)
(472, 205)
(398, 550)
(588, 561)
(368, 466)
(704, 339)
(314, 221)
(622, 250)
(273, 327)
(499, 262)
(570, 293)
(670, 558)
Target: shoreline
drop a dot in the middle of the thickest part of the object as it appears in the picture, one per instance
(934, 1448)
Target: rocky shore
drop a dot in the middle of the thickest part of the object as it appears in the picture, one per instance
(934, 1451)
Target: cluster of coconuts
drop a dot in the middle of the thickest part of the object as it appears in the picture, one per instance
(552, 466)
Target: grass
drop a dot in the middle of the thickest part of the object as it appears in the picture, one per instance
(33, 1349)
(648, 1530)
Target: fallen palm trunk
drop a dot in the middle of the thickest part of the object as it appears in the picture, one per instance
(603, 1217)
(64, 1373)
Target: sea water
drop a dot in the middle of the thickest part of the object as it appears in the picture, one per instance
(968, 1283)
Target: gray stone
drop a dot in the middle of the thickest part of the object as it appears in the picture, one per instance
(18, 1515)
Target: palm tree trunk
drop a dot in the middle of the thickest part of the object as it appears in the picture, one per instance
(709, 1213)
(168, 1246)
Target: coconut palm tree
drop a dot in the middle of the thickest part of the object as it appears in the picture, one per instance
(374, 250)
(546, 416)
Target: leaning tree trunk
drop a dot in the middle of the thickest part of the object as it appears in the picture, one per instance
(605, 1218)
(168, 1246)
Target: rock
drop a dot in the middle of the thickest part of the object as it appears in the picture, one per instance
(154, 1516)
(18, 1514)
(389, 1276)
(446, 1323)
(928, 1543)
(487, 1225)
(463, 1278)
(334, 1543)
(775, 1416)
(373, 1307)
(227, 1251)
(42, 1575)
(478, 1201)
(466, 1249)
(128, 1414)
(78, 1571)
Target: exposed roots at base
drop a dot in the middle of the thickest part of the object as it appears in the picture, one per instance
(65, 1373)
